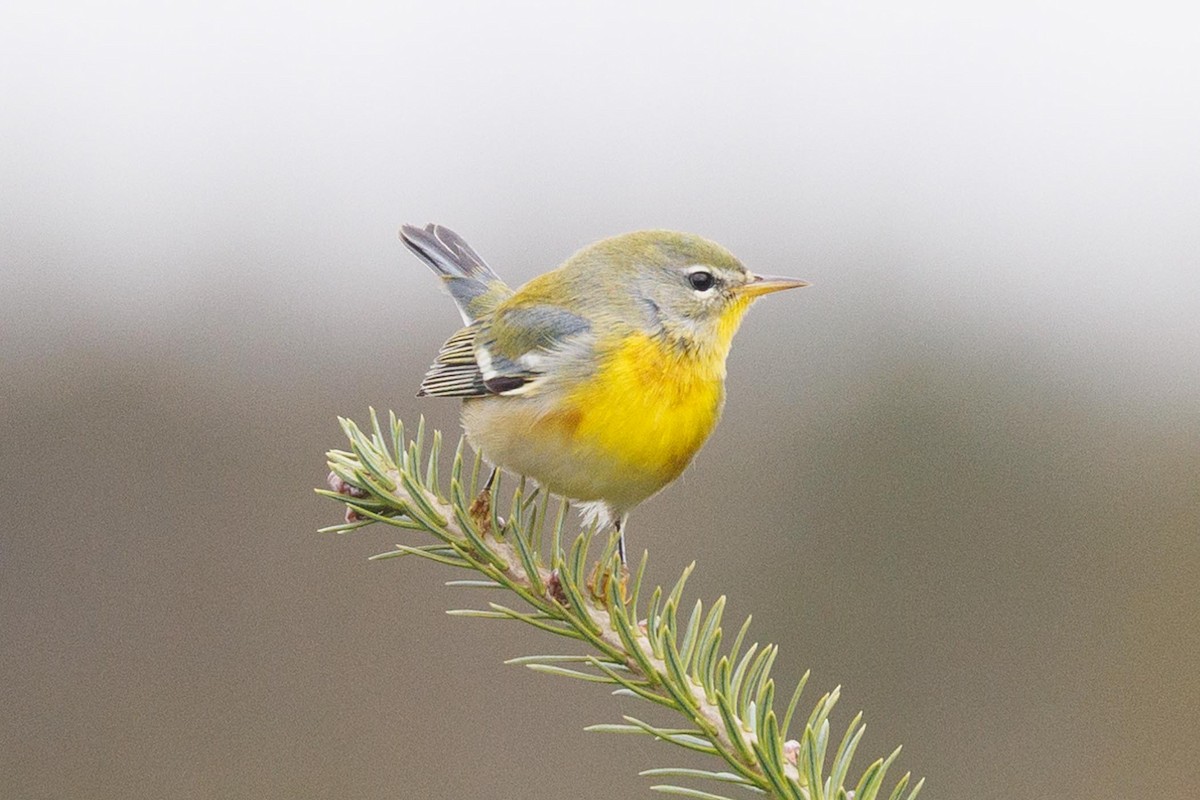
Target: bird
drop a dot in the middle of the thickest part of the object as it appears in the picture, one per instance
(600, 379)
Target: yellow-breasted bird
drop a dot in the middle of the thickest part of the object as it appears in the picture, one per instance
(600, 379)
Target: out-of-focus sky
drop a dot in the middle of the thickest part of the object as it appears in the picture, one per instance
(959, 476)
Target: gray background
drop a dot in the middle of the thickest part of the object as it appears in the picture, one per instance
(959, 476)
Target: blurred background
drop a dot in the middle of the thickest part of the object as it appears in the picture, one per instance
(960, 476)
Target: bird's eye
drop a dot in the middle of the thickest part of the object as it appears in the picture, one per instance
(701, 280)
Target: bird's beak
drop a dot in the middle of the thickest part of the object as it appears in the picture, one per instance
(765, 284)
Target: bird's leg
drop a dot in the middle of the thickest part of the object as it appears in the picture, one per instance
(624, 579)
(487, 485)
(603, 573)
(481, 507)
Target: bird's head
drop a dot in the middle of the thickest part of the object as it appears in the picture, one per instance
(679, 285)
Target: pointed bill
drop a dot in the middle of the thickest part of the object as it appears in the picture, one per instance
(765, 284)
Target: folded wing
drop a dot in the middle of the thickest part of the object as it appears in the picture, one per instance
(511, 353)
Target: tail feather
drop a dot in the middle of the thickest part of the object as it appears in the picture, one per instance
(471, 282)
(446, 252)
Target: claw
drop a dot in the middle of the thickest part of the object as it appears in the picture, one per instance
(481, 510)
(599, 582)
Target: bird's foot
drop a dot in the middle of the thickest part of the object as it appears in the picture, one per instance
(481, 511)
(602, 577)
(481, 514)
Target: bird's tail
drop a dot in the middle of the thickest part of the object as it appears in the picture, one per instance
(475, 288)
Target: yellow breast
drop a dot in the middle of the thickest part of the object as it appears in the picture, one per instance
(650, 406)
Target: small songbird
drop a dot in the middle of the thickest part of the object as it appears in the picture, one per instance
(600, 379)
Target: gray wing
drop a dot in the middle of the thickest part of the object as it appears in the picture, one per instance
(508, 354)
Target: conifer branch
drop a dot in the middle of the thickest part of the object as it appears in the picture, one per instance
(645, 646)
